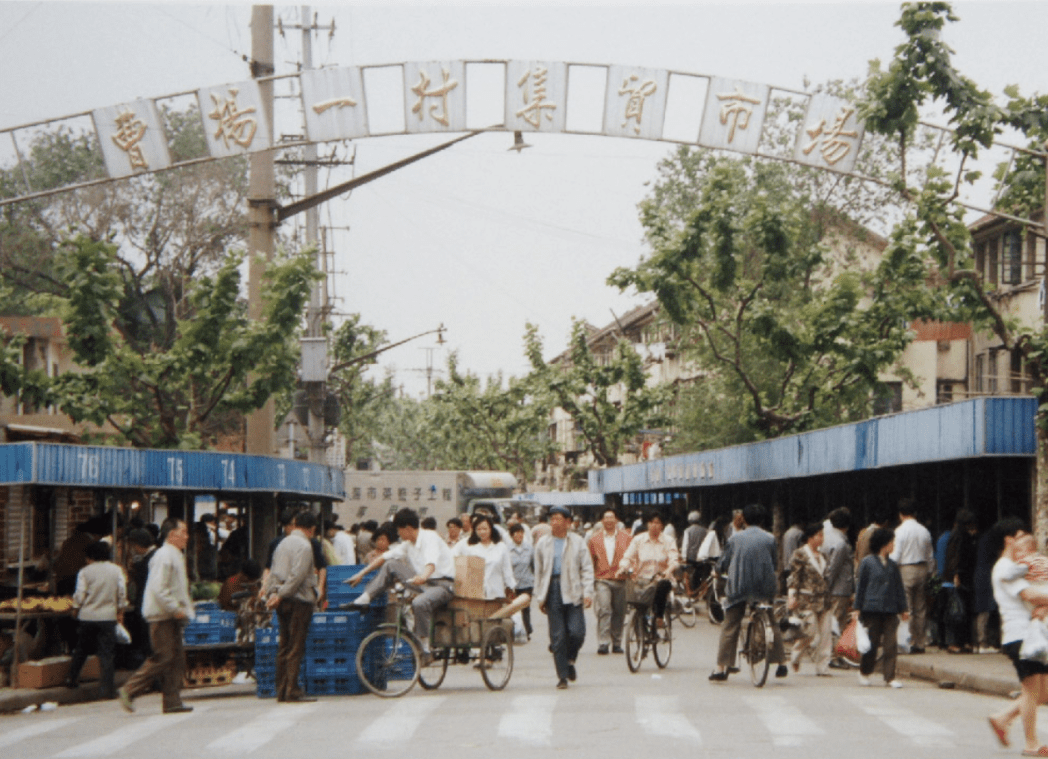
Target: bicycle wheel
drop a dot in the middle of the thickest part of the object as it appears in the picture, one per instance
(431, 674)
(714, 608)
(496, 657)
(388, 662)
(684, 610)
(758, 648)
(635, 639)
(662, 641)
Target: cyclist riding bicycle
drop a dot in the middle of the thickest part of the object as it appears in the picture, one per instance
(749, 561)
(652, 557)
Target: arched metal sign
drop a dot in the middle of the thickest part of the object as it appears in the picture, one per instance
(435, 97)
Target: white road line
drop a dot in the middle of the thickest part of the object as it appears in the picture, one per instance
(786, 723)
(529, 720)
(123, 737)
(261, 730)
(661, 715)
(31, 731)
(400, 721)
(921, 731)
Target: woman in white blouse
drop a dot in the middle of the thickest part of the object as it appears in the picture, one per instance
(486, 542)
(652, 555)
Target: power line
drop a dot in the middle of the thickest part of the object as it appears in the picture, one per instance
(224, 46)
(28, 13)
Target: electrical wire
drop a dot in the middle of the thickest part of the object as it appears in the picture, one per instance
(28, 13)
(237, 53)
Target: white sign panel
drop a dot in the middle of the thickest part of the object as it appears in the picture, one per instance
(234, 119)
(132, 138)
(435, 97)
(333, 101)
(536, 96)
(734, 115)
(635, 102)
(830, 136)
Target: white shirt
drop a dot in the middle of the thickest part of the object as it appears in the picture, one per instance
(1015, 614)
(345, 547)
(428, 548)
(498, 569)
(710, 548)
(913, 545)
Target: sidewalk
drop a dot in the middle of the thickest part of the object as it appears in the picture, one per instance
(992, 674)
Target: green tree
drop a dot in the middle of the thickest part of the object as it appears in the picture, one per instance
(607, 397)
(771, 301)
(921, 75)
(186, 393)
(354, 349)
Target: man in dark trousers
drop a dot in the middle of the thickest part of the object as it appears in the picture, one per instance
(291, 589)
(749, 562)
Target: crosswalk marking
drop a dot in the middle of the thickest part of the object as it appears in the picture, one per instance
(125, 736)
(661, 715)
(400, 721)
(31, 731)
(921, 731)
(260, 731)
(529, 719)
(786, 723)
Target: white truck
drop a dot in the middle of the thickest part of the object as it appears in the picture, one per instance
(380, 494)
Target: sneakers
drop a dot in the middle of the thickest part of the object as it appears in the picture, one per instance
(864, 681)
(893, 684)
(125, 700)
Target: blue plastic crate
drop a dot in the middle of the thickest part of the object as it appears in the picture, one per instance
(266, 637)
(346, 685)
(329, 665)
(207, 635)
(266, 685)
(206, 606)
(332, 643)
(214, 618)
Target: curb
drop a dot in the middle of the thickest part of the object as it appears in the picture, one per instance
(990, 685)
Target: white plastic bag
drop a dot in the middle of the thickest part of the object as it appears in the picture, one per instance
(123, 637)
(1035, 644)
(903, 639)
(862, 638)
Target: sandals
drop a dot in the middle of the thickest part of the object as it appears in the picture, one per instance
(1000, 732)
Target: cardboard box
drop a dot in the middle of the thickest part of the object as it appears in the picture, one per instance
(469, 577)
(52, 672)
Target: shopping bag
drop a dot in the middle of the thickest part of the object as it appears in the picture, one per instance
(903, 639)
(123, 637)
(846, 644)
(1035, 644)
(862, 638)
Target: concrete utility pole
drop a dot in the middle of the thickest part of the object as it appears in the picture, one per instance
(315, 391)
(261, 213)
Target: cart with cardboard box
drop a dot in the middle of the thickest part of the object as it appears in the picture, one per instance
(470, 630)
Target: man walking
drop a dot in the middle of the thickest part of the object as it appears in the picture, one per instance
(915, 556)
(167, 607)
(563, 587)
(749, 562)
(420, 558)
(607, 546)
(100, 600)
(291, 589)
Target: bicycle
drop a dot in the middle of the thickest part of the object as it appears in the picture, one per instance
(644, 632)
(711, 591)
(756, 639)
(681, 605)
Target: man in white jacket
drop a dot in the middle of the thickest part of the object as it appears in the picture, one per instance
(167, 607)
(563, 587)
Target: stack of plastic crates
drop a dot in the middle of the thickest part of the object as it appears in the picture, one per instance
(212, 625)
(331, 650)
(338, 592)
(267, 639)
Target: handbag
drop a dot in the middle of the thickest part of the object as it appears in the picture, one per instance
(862, 638)
(847, 646)
(955, 612)
(640, 592)
(123, 637)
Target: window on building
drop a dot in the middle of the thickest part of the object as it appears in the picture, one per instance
(1012, 258)
(991, 261)
(980, 258)
(943, 392)
(889, 400)
(991, 372)
(980, 373)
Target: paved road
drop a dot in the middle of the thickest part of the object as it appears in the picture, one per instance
(607, 713)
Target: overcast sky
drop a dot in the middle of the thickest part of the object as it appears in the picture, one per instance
(478, 238)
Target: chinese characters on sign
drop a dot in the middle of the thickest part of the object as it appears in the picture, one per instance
(635, 102)
(434, 97)
(129, 132)
(535, 96)
(734, 115)
(637, 92)
(234, 119)
(333, 104)
(830, 136)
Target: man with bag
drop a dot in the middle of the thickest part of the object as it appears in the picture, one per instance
(100, 600)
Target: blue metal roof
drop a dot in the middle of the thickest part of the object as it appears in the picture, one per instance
(199, 471)
(967, 429)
